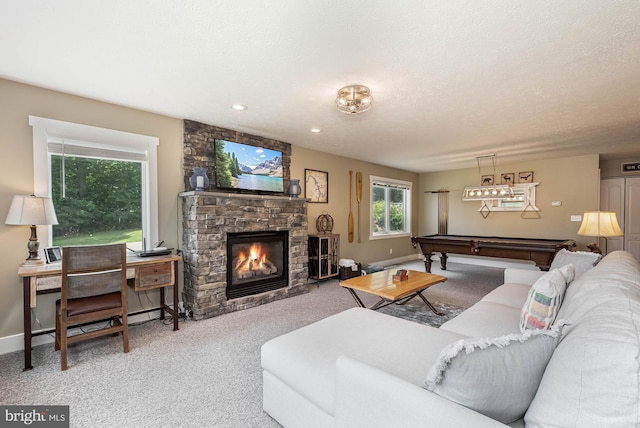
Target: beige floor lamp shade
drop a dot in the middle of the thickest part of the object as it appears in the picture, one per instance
(601, 224)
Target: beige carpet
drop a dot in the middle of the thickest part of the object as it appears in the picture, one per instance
(205, 375)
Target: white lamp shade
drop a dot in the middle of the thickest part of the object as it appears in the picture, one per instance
(31, 210)
(600, 223)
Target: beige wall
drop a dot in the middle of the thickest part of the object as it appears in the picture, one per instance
(572, 181)
(367, 251)
(613, 167)
(17, 102)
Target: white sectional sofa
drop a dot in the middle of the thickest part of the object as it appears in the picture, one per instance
(361, 368)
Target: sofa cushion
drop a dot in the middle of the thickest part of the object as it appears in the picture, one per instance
(305, 359)
(522, 276)
(582, 261)
(618, 270)
(512, 295)
(544, 299)
(486, 319)
(497, 377)
(595, 368)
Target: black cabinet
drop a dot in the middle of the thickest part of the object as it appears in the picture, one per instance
(324, 253)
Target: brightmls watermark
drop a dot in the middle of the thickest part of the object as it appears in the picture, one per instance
(34, 416)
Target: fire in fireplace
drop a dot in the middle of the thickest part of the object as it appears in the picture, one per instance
(256, 262)
(252, 264)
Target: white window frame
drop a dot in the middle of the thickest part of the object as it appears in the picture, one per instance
(99, 141)
(391, 182)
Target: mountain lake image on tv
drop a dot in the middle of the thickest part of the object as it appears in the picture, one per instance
(246, 167)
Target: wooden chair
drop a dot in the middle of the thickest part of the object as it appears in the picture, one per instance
(94, 288)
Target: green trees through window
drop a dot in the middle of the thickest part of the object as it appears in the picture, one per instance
(103, 182)
(97, 201)
(390, 202)
(395, 212)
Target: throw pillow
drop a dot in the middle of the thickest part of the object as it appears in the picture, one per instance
(568, 272)
(496, 377)
(582, 261)
(544, 299)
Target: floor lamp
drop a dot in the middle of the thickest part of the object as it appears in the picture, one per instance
(32, 211)
(601, 224)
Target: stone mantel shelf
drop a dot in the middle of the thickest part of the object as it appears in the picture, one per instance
(240, 195)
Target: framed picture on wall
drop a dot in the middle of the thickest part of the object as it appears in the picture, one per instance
(525, 177)
(316, 186)
(507, 178)
(487, 180)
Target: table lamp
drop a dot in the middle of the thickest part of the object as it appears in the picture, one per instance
(32, 211)
(600, 224)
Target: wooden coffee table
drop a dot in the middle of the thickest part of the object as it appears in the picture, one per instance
(383, 285)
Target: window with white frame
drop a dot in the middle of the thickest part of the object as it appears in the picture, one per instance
(102, 182)
(390, 207)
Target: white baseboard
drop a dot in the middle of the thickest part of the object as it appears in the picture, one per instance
(16, 342)
(398, 260)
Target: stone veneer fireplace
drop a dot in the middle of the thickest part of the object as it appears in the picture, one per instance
(209, 218)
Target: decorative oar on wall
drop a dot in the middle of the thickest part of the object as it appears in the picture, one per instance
(350, 203)
(359, 197)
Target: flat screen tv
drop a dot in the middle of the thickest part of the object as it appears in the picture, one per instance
(246, 167)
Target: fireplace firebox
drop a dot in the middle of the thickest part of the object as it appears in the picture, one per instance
(256, 262)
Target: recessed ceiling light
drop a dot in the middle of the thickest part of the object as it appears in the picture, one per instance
(239, 107)
(316, 130)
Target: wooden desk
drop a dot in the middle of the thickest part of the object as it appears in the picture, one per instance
(541, 251)
(390, 290)
(143, 273)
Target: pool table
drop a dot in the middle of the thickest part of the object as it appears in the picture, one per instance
(540, 251)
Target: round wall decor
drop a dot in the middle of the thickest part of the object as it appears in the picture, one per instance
(324, 223)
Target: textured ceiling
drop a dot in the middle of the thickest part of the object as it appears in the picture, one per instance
(451, 79)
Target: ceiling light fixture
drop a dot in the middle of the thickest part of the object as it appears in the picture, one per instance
(239, 107)
(486, 190)
(354, 99)
(316, 130)
(486, 193)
